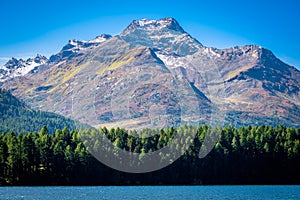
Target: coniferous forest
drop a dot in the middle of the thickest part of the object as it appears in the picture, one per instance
(247, 155)
(18, 117)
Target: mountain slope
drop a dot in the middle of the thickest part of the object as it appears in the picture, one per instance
(17, 117)
(154, 74)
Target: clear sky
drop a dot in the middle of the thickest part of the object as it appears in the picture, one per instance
(29, 27)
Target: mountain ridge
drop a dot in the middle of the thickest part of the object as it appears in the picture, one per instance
(19, 67)
(248, 83)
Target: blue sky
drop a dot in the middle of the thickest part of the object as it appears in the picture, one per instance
(30, 27)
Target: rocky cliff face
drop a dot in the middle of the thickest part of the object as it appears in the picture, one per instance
(154, 74)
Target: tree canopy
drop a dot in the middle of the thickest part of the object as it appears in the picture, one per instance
(247, 155)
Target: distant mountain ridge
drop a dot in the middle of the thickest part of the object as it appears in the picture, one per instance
(19, 67)
(141, 77)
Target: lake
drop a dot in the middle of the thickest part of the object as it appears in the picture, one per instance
(151, 192)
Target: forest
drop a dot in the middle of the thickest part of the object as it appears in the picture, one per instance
(18, 117)
(244, 155)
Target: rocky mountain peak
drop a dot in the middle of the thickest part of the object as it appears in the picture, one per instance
(165, 34)
(19, 67)
(40, 59)
(12, 63)
(149, 25)
(105, 36)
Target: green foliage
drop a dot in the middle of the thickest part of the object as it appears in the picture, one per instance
(17, 117)
(248, 155)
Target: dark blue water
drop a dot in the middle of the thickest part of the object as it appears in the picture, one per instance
(152, 192)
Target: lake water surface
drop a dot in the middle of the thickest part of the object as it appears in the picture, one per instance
(152, 192)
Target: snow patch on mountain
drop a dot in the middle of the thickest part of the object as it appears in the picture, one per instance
(83, 44)
(19, 67)
(171, 61)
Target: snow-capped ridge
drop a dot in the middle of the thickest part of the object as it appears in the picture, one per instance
(19, 67)
(78, 47)
(149, 25)
(164, 34)
(170, 23)
(101, 38)
(84, 43)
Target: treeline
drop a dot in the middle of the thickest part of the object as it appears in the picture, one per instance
(247, 155)
(17, 116)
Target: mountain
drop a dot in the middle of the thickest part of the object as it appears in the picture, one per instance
(165, 34)
(19, 67)
(17, 117)
(154, 74)
(77, 48)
